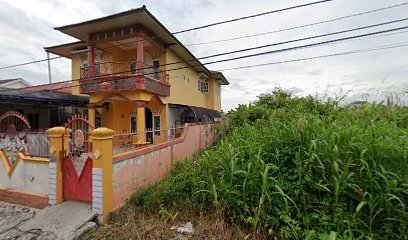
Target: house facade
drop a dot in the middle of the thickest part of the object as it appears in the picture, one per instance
(137, 75)
(143, 93)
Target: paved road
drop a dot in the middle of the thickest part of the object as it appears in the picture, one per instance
(64, 221)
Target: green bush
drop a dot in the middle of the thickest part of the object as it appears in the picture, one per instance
(299, 169)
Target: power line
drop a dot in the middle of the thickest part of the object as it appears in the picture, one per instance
(252, 16)
(85, 84)
(298, 27)
(303, 39)
(182, 31)
(260, 54)
(306, 46)
(302, 26)
(384, 47)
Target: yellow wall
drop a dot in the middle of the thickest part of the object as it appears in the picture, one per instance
(184, 84)
(117, 115)
(76, 64)
(217, 95)
(210, 94)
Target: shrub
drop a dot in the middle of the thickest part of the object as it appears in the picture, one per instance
(299, 168)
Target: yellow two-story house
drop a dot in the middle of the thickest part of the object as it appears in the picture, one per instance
(138, 75)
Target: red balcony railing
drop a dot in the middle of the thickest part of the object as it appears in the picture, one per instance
(109, 76)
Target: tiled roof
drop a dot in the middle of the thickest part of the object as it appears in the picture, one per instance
(59, 87)
(128, 12)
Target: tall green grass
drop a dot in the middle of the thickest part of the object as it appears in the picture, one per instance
(299, 168)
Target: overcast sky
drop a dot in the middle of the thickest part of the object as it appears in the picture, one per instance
(27, 26)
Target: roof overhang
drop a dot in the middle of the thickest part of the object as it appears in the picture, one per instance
(44, 97)
(67, 49)
(139, 16)
(219, 76)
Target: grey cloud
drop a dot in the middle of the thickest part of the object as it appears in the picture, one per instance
(29, 29)
(316, 72)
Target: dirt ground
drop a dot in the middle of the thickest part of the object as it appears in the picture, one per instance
(131, 225)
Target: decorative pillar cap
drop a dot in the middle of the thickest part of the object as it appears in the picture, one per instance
(102, 133)
(56, 131)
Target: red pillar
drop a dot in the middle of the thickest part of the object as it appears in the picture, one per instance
(91, 59)
(140, 59)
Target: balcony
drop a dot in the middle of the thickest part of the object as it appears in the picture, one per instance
(123, 76)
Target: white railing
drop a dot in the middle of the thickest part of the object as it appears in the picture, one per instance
(124, 141)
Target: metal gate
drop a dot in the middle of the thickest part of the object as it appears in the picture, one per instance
(77, 162)
(14, 128)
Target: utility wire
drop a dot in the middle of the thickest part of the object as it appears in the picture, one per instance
(178, 32)
(301, 26)
(298, 40)
(258, 54)
(378, 48)
(384, 47)
(231, 39)
(245, 56)
(306, 46)
(252, 16)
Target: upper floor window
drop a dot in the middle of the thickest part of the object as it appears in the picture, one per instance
(84, 70)
(133, 68)
(203, 87)
(156, 69)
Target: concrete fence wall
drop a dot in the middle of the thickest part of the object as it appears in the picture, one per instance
(26, 175)
(26, 180)
(140, 168)
(114, 177)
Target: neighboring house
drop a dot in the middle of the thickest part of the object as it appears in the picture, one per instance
(138, 75)
(14, 83)
(43, 108)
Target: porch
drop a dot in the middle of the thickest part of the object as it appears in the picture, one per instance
(132, 62)
(123, 76)
(141, 118)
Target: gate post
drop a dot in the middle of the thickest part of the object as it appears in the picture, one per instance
(102, 200)
(55, 169)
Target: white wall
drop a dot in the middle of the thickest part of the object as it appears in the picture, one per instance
(27, 177)
(173, 114)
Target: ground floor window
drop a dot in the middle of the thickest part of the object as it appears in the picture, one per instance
(133, 124)
(156, 125)
(98, 121)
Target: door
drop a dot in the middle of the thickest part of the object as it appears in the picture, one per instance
(149, 125)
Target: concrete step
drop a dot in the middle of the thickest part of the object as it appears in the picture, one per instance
(64, 221)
